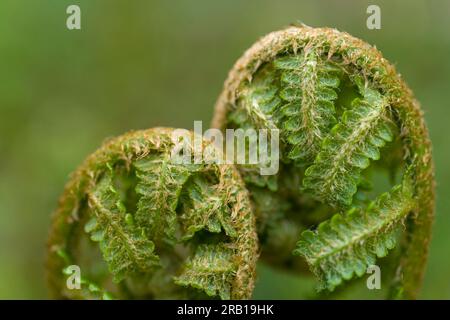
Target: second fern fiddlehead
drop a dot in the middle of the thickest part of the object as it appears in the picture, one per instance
(141, 226)
(346, 120)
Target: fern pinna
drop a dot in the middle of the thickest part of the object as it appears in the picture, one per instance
(140, 225)
(356, 173)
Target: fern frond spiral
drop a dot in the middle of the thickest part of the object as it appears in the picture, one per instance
(141, 226)
(353, 142)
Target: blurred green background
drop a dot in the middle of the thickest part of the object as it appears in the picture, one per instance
(138, 64)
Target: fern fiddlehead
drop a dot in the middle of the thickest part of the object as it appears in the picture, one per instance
(356, 180)
(353, 142)
(141, 226)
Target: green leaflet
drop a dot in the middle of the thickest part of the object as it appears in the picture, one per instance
(345, 245)
(151, 217)
(124, 246)
(207, 209)
(259, 102)
(308, 91)
(159, 185)
(348, 149)
(257, 109)
(295, 94)
(210, 270)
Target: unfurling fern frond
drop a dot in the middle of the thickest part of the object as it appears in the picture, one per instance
(140, 225)
(347, 244)
(349, 128)
(348, 149)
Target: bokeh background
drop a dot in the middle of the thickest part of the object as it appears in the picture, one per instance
(138, 64)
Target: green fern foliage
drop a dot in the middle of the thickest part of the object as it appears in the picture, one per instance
(348, 149)
(308, 92)
(124, 246)
(345, 245)
(210, 270)
(140, 225)
(159, 186)
(205, 209)
(259, 101)
(349, 128)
